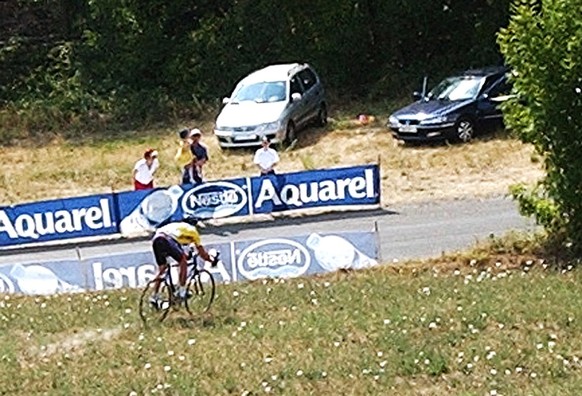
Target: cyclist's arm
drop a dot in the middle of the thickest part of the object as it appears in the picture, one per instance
(203, 253)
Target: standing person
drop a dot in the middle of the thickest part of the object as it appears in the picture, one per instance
(200, 153)
(266, 158)
(144, 170)
(183, 157)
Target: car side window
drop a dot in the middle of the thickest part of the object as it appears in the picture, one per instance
(295, 86)
(500, 89)
(308, 78)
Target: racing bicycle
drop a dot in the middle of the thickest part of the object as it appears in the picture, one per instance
(201, 292)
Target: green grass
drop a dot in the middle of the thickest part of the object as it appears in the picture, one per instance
(468, 331)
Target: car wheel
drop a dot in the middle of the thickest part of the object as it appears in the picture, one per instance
(322, 116)
(465, 129)
(290, 133)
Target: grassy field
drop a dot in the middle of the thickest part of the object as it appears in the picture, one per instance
(462, 328)
(56, 168)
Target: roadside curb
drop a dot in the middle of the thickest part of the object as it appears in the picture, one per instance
(255, 220)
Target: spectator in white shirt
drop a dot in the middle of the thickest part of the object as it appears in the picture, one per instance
(266, 158)
(144, 169)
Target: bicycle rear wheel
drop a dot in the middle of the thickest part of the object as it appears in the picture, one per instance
(150, 312)
(202, 289)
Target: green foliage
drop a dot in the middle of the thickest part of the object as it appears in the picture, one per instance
(543, 46)
(101, 62)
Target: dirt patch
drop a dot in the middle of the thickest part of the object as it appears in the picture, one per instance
(484, 167)
(74, 342)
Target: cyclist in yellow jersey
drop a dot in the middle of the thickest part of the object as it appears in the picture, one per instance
(167, 242)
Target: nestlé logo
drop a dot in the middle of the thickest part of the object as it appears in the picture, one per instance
(272, 258)
(214, 199)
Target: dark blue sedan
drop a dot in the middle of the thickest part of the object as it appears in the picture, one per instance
(454, 109)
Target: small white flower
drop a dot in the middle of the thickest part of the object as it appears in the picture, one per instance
(326, 284)
(299, 373)
(235, 294)
(170, 353)
(133, 393)
(533, 375)
(268, 359)
(379, 354)
(493, 392)
(539, 346)
(383, 363)
(147, 366)
(191, 341)
(181, 357)
(386, 321)
(167, 368)
(300, 286)
(432, 325)
(493, 371)
(518, 369)
(551, 344)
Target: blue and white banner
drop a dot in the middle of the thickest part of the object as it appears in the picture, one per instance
(277, 257)
(135, 212)
(59, 219)
(319, 188)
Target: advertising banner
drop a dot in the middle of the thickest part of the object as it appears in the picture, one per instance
(277, 257)
(135, 212)
(358, 185)
(58, 219)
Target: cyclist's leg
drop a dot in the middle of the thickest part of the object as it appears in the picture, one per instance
(177, 253)
(161, 251)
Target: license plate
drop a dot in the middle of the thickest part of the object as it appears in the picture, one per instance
(408, 128)
(251, 136)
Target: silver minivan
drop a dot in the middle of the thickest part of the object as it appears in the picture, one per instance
(276, 101)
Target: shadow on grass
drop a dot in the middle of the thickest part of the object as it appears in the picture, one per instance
(484, 135)
(208, 320)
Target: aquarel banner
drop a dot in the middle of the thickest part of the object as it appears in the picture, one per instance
(58, 219)
(274, 257)
(132, 213)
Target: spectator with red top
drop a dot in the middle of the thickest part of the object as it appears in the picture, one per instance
(144, 170)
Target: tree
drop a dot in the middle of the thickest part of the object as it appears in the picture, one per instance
(543, 46)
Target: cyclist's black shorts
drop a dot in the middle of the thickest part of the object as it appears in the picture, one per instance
(165, 246)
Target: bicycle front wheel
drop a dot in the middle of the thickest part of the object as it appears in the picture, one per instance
(155, 311)
(202, 289)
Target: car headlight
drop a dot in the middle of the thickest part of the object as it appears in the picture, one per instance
(269, 126)
(435, 120)
(393, 121)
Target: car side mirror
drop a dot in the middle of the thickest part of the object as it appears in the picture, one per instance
(225, 100)
(295, 97)
(416, 95)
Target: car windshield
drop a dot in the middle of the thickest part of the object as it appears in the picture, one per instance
(261, 92)
(456, 88)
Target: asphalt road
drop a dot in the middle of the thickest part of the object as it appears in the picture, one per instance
(406, 231)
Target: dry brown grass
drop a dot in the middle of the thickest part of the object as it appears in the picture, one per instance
(62, 168)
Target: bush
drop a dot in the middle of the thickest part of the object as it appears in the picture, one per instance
(543, 46)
